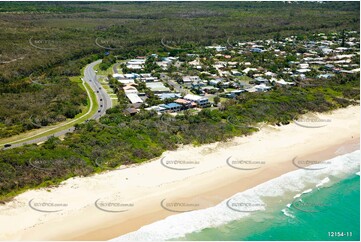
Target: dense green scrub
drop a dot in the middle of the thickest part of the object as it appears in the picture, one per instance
(47, 42)
(118, 139)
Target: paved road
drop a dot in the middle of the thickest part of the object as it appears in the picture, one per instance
(115, 67)
(175, 84)
(102, 97)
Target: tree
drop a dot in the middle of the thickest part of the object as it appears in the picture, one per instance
(216, 100)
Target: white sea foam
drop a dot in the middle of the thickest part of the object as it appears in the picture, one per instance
(297, 195)
(323, 182)
(307, 191)
(287, 213)
(295, 182)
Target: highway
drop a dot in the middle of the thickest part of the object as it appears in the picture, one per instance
(102, 96)
(103, 100)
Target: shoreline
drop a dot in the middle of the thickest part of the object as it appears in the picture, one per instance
(208, 183)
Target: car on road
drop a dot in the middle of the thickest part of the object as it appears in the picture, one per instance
(101, 106)
(101, 99)
(99, 111)
(7, 145)
(97, 91)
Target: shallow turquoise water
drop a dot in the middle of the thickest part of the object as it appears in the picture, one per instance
(325, 210)
(305, 204)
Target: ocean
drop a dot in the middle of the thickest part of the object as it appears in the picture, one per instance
(306, 204)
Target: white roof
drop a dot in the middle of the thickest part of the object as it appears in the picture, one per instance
(126, 81)
(249, 69)
(118, 75)
(193, 97)
(303, 70)
(134, 98)
(281, 81)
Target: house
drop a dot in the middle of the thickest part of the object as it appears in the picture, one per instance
(281, 82)
(131, 111)
(201, 101)
(124, 78)
(198, 84)
(158, 109)
(172, 107)
(269, 73)
(169, 95)
(302, 71)
(304, 66)
(248, 69)
(136, 64)
(214, 82)
(326, 76)
(236, 73)
(130, 89)
(185, 103)
(262, 87)
(217, 48)
(260, 80)
(157, 87)
(149, 79)
(259, 88)
(329, 67)
(126, 81)
(209, 89)
(190, 79)
(256, 50)
(234, 93)
(134, 98)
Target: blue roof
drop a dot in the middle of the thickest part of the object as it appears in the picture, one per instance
(171, 105)
(256, 50)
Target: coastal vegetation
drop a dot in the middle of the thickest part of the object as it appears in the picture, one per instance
(120, 139)
(46, 42)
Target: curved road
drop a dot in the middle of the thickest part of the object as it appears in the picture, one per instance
(102, 96)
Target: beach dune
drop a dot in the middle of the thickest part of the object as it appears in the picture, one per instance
(104, 206)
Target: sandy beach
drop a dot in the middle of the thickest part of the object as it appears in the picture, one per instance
(107, 205)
